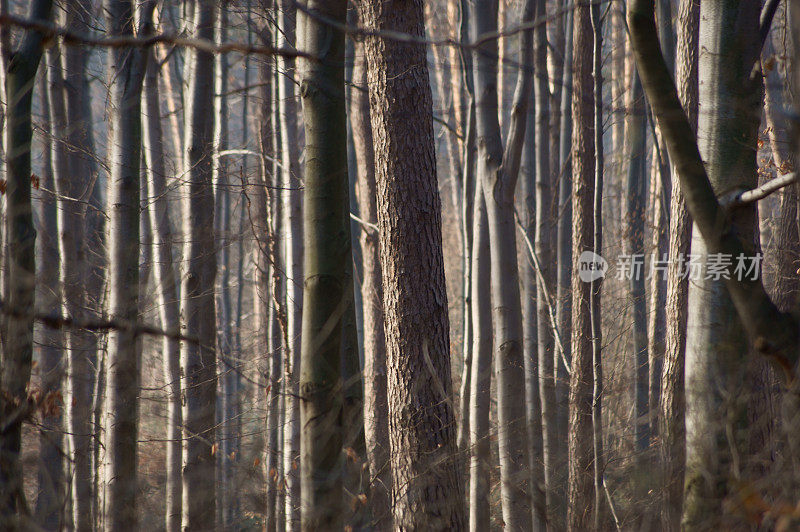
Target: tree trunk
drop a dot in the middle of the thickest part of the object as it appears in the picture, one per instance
(426, 482)
(376, 409)
(291, 197)
(167, 284)
(15, 369)
(480, 380)
(497, 173)
(718, 375)
(198, 360)
(635, 203)
(673, 406)
(52, 484)
(328, 295)
(580, 500)
(123, 364)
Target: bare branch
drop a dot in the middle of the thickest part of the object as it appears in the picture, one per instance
(738, 199)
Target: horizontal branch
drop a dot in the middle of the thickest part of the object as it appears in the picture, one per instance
(738, 199)
(50, 31)
(95, 325)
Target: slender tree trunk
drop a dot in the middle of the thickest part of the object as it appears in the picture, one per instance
(498, 172)
(580, 500)
(673, 405)
(427, 489)
(52, 484)
(718, 375)
(15, 367)
(546, 251)
(291, 197)
(198, 360)
(376, 409)
(565, 269)
(123, 364)
(166, 289)
(635, 203)
(480, 381)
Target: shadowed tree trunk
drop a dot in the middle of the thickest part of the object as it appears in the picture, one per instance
(580, 499)
(15, 367)
(376, 410)
(166, 288)
(327, 295)
(198, 360)
(123, 360)
(427, 488)
(50, 500)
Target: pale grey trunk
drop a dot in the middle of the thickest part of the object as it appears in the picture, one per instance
(719, 378)
(545, 250)
(480, 455)
(166, 289)
(50, 500)
(15, 367)
(122, 363)
(291, 198)
(635, 203)
(376, 414)
(198, 359)
(497, 172)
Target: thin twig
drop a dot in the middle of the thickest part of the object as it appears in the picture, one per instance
(738, 199)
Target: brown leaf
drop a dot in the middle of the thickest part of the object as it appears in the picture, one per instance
(256, 462)
(35, 181)
(2, 186)
(214, 449)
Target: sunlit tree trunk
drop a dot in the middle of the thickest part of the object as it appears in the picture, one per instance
(122, 364)
(427, 490)
(672, 412)
(580, 486)
(198, 359)
(166, 288)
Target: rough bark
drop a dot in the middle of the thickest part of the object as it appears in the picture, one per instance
(376, 410)
(426, 480)
(15, 367)
(198, 360)
(166, 288)
(580, 499)
(672, 412)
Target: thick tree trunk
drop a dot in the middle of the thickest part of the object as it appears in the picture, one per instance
(327, 253)
(480, 455)
(15, 367)
(376, 409)
(673, 406)
(122, 363)
(50, 500)
(427, 489)
(198, 360)
(167, 284)
(717, 367)
(580, 500)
